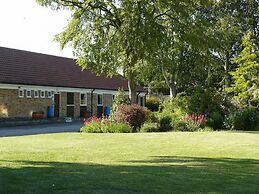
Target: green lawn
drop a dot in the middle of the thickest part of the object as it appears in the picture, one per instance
(219, 162)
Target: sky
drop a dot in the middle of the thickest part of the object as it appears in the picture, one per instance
(27, 26)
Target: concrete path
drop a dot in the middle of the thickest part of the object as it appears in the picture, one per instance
(40, 129)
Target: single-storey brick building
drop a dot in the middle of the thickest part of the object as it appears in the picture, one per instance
(32, 82)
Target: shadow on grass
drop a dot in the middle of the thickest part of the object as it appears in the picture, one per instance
(160, 174)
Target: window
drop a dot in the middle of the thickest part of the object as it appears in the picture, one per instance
(83, 99)
(42, 94)
(21, 93)
(36, 94)
(70, 98)
(49, 94)
(100, 99)
(142, 101)
(28, 93)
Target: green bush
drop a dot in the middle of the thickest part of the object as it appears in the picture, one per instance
(152, 117)
(246, 119)
(153, 103)
(203, 101)
(119, 128)
(177, 107)
(134, 115)
(93, 127)
(185, 126)
(165, 123)
(149, 127)
(103, 125)
(120, 98)
(215, 120)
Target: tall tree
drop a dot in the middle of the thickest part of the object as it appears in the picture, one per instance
(246, 75)
(112, 35)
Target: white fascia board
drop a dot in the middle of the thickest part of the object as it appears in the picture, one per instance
(112, 92)
(44, 88)
(61, 89)
(142, 94)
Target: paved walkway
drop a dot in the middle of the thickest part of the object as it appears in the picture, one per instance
(40, 129)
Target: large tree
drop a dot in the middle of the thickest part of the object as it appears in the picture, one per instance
(246, 75)
(109, 36)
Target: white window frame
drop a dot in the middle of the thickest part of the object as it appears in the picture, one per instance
(42, 92)
(49, 94)
(85, 99)
(28, 96)
(19, 93)
(99, 104)
(36, 92)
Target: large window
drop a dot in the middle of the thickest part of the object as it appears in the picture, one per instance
(83, 99)
(99, 99)
(70, 98)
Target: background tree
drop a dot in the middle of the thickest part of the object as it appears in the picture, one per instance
(246, 75)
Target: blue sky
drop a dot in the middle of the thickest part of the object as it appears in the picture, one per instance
(27, 26)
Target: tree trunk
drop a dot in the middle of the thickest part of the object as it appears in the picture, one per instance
(172, 87)
(172, 92)
(226, 73)
(132, 88)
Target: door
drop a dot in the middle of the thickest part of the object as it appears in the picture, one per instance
(99, 111)
(56, 105)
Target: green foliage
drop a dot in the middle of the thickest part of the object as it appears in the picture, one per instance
(150, 127)
(119, 128)
(120, 98)
(246, 76)
(153, 103)
(97, 127)
(165, 123)
(246, 119)
(177, 107)
(205, 101)
(216, 120)
(185, 126)
(134, 115)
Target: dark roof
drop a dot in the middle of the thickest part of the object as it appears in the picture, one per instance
(23, 67)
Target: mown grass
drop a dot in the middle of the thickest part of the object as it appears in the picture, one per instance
(219, 162)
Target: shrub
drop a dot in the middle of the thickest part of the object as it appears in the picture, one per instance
(120, 98)
(103, 125)
(134, 115)
(149, 127)
(176, 107)
(196, 119)
(153, 103)
(119, 128)
(165, 123)
(185, 126)
(152, 117)
(246, 119)
(215, 120)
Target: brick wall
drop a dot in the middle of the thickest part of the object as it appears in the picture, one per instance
(77, 104)
(63, 104)
(13, 106)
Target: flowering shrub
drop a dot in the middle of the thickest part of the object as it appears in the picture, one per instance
(134, 115)
(104, 125)
(195, 119)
